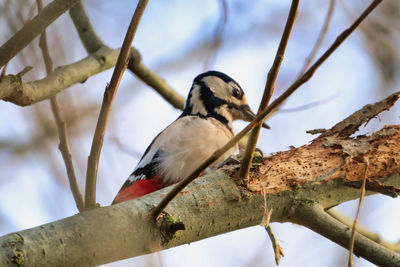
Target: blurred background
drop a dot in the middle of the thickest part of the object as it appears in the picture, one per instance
(178, 40)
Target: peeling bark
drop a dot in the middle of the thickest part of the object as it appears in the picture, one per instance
(328, 159)
(211, 205)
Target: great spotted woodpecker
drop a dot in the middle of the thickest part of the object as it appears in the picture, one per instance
(205, 125)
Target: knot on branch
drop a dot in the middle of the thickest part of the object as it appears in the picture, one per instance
(14, 245)
(12, 89)
(168, 226)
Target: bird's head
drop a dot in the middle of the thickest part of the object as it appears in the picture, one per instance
(215, 94)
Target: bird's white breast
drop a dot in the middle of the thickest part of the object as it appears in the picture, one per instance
(187, 143)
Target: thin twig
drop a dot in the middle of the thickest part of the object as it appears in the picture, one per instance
(260, 117)
(278, 251)
(62, 131)
(310, 72)
(109, 95)
(33, 28)
(268, 90)
(321, 36)
(355, 223)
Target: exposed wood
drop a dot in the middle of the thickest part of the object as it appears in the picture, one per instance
(211, 205)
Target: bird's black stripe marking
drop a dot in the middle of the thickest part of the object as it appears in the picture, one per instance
(210, 103)
(208, 99)
(148, 170)
(222, 76)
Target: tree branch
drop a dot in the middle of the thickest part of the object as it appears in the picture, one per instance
(355, 223)
(14, 90)
(88, 36)
(79, 240)
(268, 91)
(33, 28)
(314, 217)
(363, 230)
(62, 131)
(109, 94)
(310, 72)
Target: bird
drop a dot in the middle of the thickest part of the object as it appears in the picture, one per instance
(214, 101)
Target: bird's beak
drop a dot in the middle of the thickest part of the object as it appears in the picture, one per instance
(246, 114)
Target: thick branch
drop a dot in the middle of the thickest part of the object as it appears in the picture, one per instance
(33, 28)
(363, 230)
(211, 205)
(101, 58)
(315, 218)
(14, 90)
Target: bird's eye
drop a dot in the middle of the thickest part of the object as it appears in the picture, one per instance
(236, 93)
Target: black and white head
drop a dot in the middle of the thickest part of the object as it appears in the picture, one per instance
(216, 95)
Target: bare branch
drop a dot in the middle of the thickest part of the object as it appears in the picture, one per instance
(313, 216)
(109, 94)
(268, 90)
(364, 231)
(33, 28)
(310, 72)
(14, 90)
(62, 131)
(355, 223)
(208, 197)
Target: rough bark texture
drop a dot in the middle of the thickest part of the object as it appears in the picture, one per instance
(211, 205)
(328, 159)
